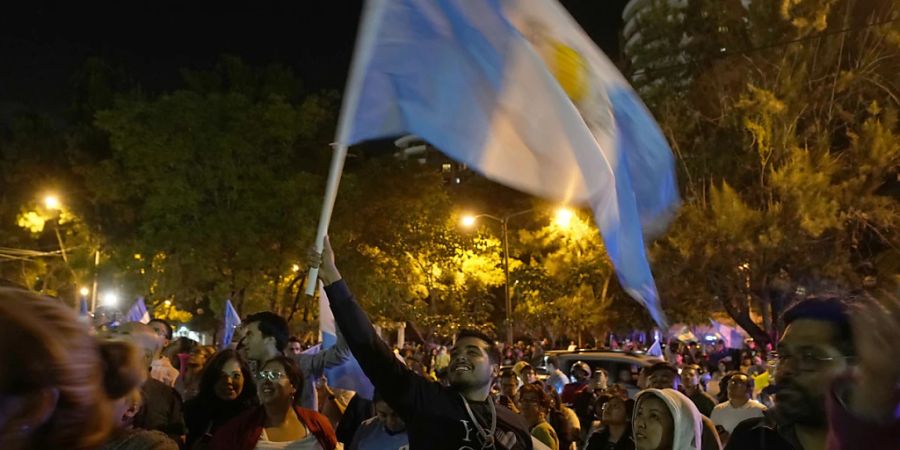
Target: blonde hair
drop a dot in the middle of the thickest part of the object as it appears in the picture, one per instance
(44, 347)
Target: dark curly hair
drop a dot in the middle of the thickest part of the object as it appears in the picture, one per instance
(213, 370)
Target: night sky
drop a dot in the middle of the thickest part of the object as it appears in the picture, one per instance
(42, 43)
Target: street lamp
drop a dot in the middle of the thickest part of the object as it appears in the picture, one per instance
(564, 217)
(84, 292)
(469, 221)
(52, 202)
(109, 298)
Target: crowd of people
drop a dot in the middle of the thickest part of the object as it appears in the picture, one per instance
(832, 381)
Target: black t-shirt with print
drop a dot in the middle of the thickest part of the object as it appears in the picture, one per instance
(436, 416)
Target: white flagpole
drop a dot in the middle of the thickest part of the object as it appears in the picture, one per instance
(371, 18)
(331, 188)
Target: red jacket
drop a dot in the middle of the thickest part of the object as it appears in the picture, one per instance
(243, 432)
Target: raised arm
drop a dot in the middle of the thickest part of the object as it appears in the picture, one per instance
(393, 380)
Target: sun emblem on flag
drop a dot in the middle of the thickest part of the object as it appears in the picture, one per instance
(575, 76)
(569, 69)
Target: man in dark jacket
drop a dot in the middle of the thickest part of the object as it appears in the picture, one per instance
(818, 403)
(458, 417)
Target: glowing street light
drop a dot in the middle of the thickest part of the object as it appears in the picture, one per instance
(295, 268)
(84, 291)
(52, 202)
(109, 299)
(468, 221)
(564, 217)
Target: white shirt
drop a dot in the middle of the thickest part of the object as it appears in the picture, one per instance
(729, 417)
(308, 443)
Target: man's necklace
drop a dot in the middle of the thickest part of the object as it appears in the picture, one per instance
(487, 437)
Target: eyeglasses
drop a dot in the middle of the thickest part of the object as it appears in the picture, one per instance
(271, 375)
(807, 361)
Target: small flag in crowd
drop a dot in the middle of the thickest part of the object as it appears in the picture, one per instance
(232, 321)
(348, 375)
(138, 312)
(517, 91)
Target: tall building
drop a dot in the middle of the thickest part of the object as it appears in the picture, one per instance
(414, 148)
(648, 49)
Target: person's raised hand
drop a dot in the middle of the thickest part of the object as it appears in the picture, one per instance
(328, 271)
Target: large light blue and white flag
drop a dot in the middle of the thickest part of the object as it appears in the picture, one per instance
(232, 321)
(138, 312)
(517, 91)
(348, 375)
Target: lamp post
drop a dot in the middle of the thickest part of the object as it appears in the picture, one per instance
(563, 220)
(470, 221)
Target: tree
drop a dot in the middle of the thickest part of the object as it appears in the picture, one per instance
(567, 282)
(210, 193)
(397, 233)
(34, 165)
(789, 154)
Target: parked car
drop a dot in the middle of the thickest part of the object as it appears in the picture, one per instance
(622, 367)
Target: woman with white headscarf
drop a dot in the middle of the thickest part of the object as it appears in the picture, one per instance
(666, 419)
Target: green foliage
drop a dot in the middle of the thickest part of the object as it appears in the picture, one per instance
(216, 189)
(789, 169)
(398, 238)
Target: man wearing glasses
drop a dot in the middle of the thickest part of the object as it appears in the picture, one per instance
(739, 406)
(836, 380)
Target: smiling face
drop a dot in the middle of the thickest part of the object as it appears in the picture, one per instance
(470, 365)
(273, 384)
(230, 382)
(653, 424)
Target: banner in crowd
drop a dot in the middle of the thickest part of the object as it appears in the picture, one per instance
(349, 375)
(232, 321)
(138, 312)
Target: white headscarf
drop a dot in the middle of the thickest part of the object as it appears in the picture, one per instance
(687, 421)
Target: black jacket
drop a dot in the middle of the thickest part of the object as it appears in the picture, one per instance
(762, 433)
(435, 416)
(598, 441)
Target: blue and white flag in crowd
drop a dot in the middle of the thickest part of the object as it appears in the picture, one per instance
(348, 375)
(732, 336)
(517, 91)
(655, 349)
(83, 308)
(138, 312)
(232, 321)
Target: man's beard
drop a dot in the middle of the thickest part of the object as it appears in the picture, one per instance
(794, 405)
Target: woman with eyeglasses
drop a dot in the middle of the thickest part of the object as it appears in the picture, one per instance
(278, 423)
(226, 390)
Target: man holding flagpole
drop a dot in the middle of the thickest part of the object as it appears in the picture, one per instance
(459, 417)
